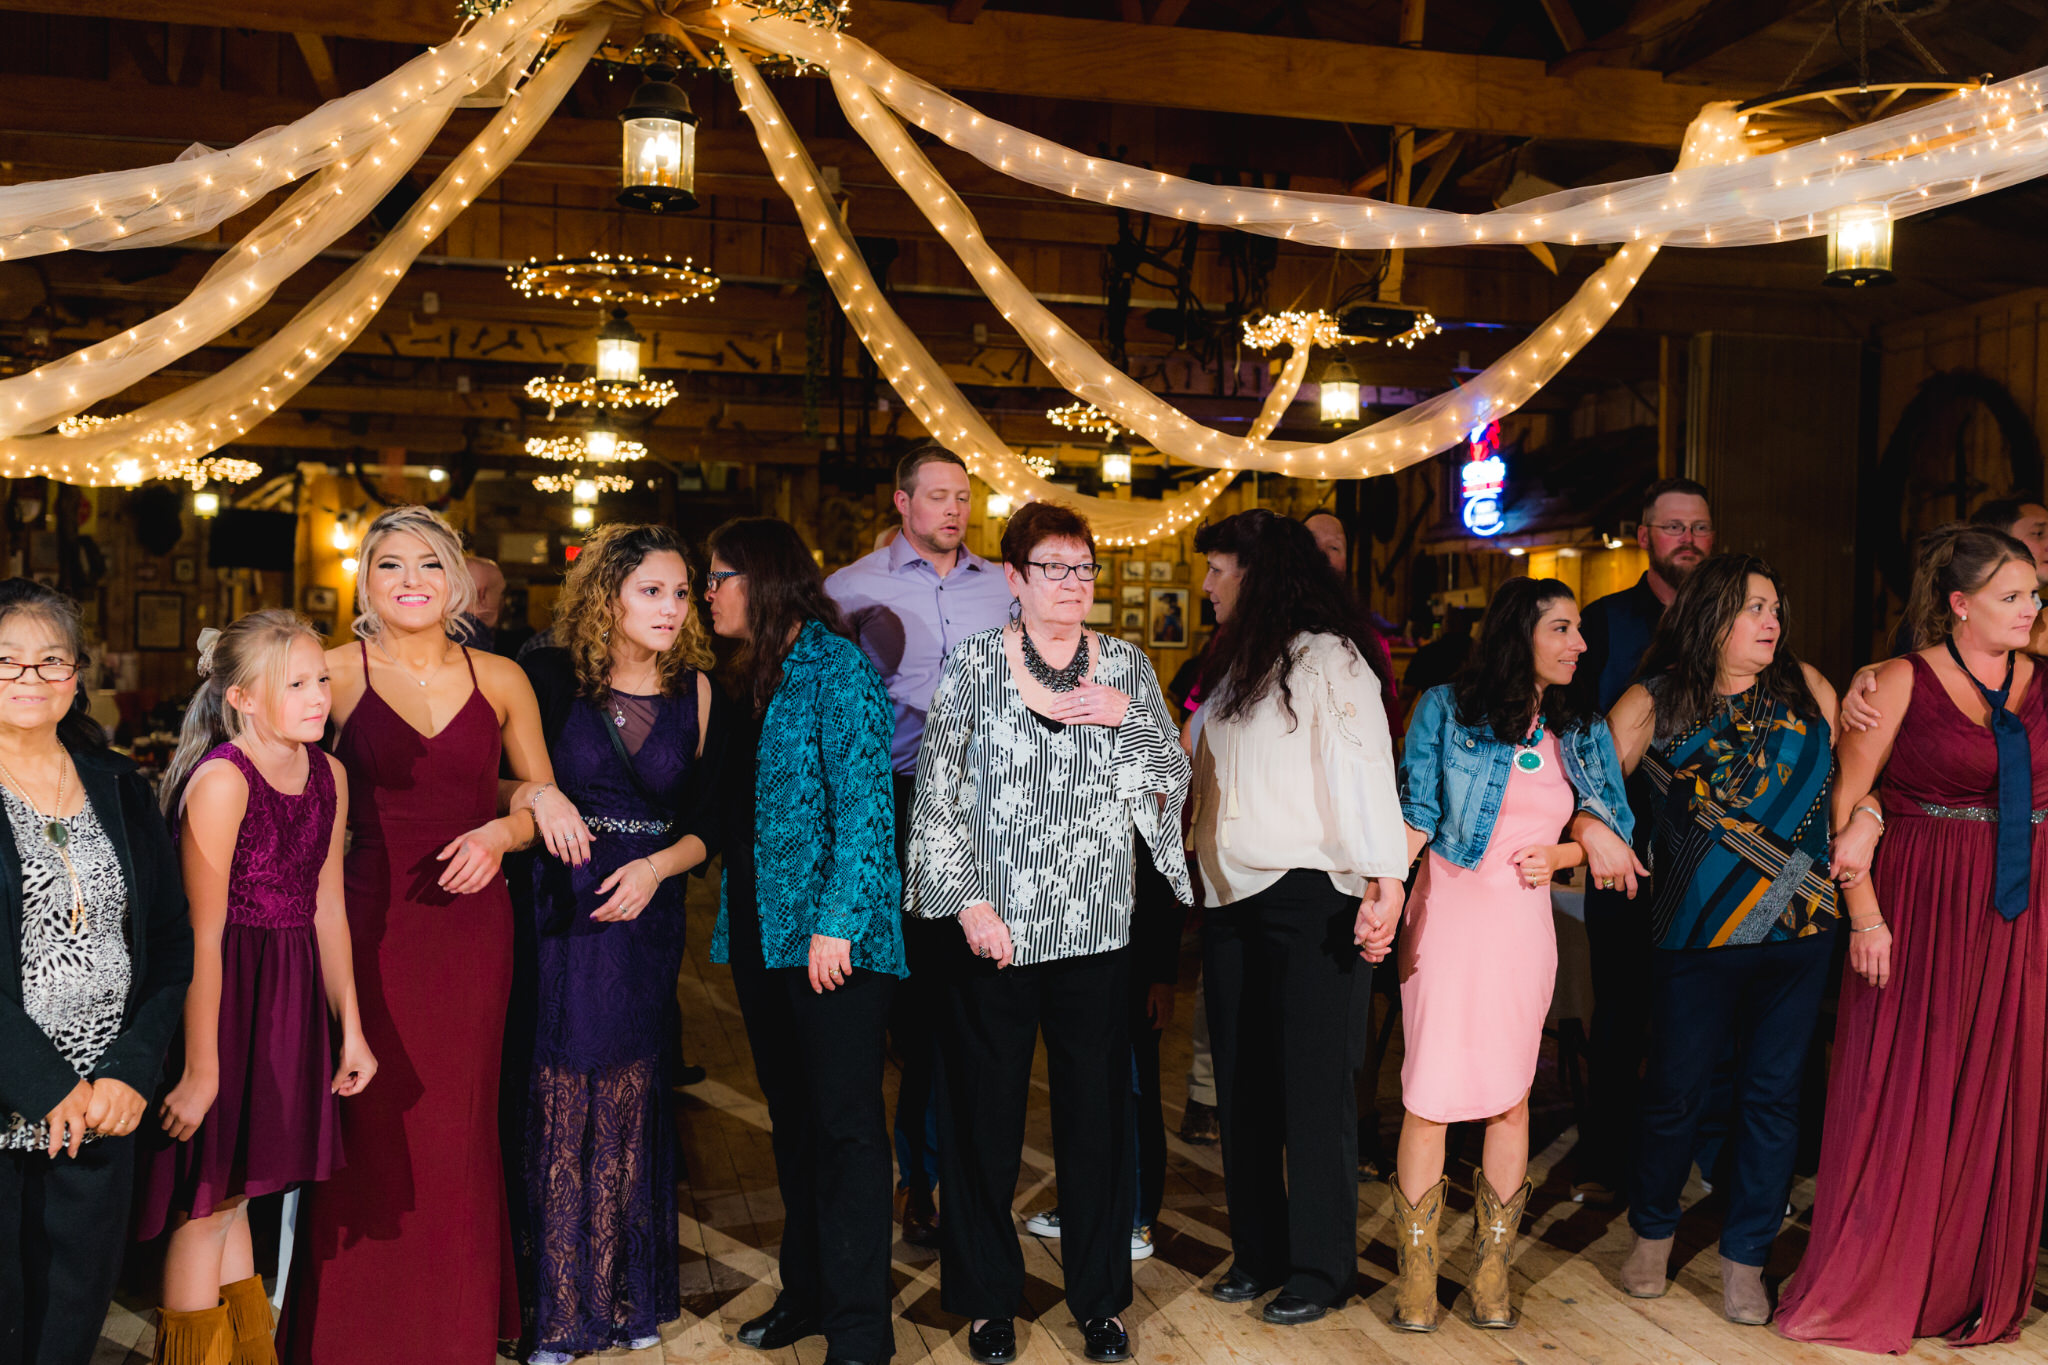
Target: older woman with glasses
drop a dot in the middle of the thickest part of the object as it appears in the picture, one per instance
(1046, 747)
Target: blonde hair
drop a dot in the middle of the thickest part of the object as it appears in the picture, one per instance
(441, 541)
(253, 654)
(588, 609)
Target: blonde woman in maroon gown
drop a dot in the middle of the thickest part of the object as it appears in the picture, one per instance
(406, 1255)
(1935, 1159)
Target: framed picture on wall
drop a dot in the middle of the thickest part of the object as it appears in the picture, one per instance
(1134, 571)
(1134, 618)
(1167, 622)
(1136, 637)
(185, 569)
(159, 620)
(1101, 613)
(322, 599)
(1134, 597)
(1162, 570)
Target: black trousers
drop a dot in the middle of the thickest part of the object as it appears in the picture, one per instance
(993, 1021)
(63, 1228)
(819, 1061)
(1148, 1115)
(1766, 997)
(913, 1030)
(1280, 969)
(1618, 942)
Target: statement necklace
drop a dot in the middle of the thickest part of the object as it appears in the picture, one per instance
(1050, 678)
(1528, 757)
(58, 836)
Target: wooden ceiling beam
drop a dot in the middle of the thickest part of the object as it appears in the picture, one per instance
(1117, 63)
(1725, 24)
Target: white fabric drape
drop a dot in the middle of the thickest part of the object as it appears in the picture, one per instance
(150, 441)
(152, 205)
(911, 370)
(1954, 148)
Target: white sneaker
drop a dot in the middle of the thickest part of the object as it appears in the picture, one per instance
(1141, 1244)
(1045, 1224)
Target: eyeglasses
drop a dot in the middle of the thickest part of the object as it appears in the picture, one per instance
(44, 672)
(1699, 530)
(1056, 572)
(715, 579)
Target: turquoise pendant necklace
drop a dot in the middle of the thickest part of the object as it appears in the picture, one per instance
(1528, 757)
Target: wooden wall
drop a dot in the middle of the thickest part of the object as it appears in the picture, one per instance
(1774, 434)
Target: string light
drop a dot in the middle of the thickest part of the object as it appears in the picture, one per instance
(564, 483)
(614, 281)
(1082, 417)
(558, 391)
(573, 449)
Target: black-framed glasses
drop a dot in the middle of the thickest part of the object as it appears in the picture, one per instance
(715, 579)
(1056, 572)
(53, 671)
(1699, 530)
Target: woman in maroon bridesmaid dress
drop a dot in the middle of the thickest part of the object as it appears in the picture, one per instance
(406, 1254)
(1935, 1160)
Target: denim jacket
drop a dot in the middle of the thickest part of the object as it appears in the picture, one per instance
(1453, 778)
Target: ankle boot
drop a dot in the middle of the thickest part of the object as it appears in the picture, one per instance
(1646, 1274)
(1415, 1243)
(1494, 1226)
(1743, 1297)
(204, 1337)
(249, 1315)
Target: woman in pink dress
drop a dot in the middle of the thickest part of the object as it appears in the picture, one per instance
(1497, 764)
(1935, 1159)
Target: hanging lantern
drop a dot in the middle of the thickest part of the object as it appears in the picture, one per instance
(1000, 505)
(1859, 246)
(1116, 462)
(618, 350)
(206, 504)
(601, 442)
(584, 492)
(582, 516)
(1339, 393)
(658, 173)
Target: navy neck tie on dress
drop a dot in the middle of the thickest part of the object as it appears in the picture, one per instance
(2015, 792)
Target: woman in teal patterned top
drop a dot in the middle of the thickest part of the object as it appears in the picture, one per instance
(809, 918)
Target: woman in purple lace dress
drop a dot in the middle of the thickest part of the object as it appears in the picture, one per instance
(628, 713)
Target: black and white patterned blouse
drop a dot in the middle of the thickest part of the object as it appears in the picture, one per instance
(74, 986)
(1035, 818)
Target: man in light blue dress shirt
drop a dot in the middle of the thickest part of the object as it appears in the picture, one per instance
(909, 603)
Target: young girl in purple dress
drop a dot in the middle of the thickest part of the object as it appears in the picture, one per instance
(260, 809)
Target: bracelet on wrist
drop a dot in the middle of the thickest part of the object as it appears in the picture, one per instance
(1871, 811)
(1868, 928)
(533, 800)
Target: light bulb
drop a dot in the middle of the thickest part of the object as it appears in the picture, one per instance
(348, 565)
(582, 518)
(437, 475)
(1000, 505)
(205, 504)
(583, 492)
(341, 537)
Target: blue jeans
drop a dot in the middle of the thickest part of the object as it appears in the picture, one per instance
(1764, 999)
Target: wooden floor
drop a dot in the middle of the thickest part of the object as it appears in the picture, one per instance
(1573, 1313)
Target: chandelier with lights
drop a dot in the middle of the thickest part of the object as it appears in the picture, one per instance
(562, 391)
(599, 445)
(614, 281)
(1084, 417)
(571, 482)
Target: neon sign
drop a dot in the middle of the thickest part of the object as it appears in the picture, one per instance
(1481, 481)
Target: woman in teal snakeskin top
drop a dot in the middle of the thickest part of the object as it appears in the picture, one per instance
(809, 918)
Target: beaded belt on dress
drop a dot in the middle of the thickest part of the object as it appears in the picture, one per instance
(1987, 814)
(605, 824)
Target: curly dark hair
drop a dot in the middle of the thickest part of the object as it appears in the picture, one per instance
(1686, 652)
(589, 607)
(784, 590)
(1288, 589)
(1497, 685)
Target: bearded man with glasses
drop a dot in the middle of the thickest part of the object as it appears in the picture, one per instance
(1677, 531)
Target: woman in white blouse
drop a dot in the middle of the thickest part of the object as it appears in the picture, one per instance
(1046, 747)
(1299, 836)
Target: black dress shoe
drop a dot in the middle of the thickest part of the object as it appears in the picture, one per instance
(1237, 1286)
(1105, 1339)
(777, 1328)
(843, 1360)
(1290, 1309)
(993, 1343)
